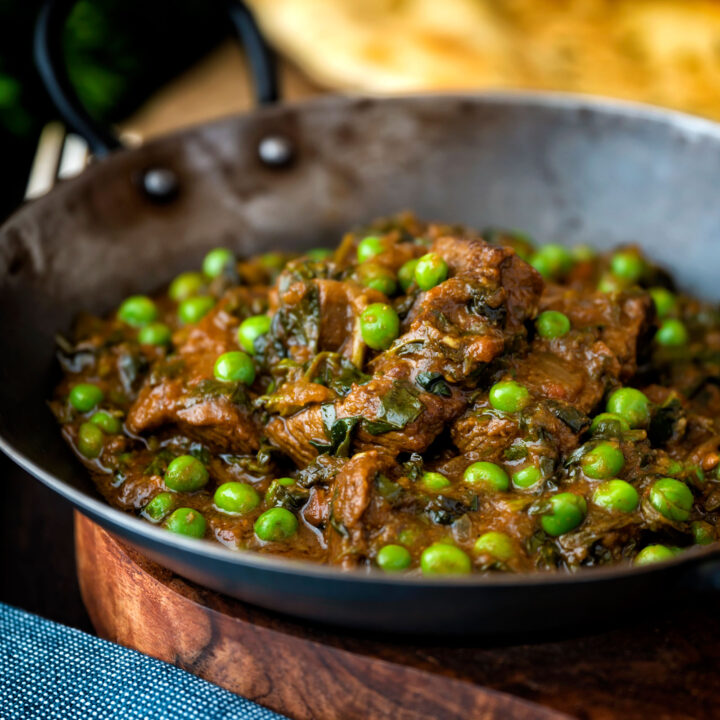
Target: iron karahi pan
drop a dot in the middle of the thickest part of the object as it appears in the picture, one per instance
(294, 176)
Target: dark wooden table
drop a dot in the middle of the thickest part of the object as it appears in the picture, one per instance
(653, 667)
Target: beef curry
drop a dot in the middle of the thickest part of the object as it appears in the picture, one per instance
(423, 398)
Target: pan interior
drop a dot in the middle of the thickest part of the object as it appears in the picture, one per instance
(565, 170)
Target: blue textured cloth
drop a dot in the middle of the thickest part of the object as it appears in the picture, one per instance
(52, 672)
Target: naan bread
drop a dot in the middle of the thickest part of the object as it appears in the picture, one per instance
(665, 52)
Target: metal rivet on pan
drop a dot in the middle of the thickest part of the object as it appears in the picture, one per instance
(275, 151)
(160, 184)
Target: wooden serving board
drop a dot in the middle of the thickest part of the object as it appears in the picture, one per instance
(662, 668)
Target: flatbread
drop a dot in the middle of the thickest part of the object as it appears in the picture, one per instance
(665, 52)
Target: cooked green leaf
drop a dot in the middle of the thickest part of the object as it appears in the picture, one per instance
(575, 419)
(201, 453)
(337, 431)
(399, 407)
(159, 463)
(517, 451)
(445, 510)
(291, 498)
(337, 372)
(210, 389)
(433, 382)
(664, 421)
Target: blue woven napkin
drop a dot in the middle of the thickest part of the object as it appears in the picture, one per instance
(52, 672)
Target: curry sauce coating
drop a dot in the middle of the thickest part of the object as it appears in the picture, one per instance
(365, 449)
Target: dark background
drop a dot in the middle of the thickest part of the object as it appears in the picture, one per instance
(118, 53)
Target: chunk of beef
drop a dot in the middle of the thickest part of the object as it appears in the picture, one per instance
(372, 402)
(572, 372)
(452, 331)
(599, 353)
(293, 434)
(207, 410)
(291, 397)
(495, 268)
(483, 434)
(619, 325)
(351, 493)
(475, 315)
(320, 314)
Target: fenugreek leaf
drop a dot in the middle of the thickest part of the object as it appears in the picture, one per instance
(399, 407)
(433, 382)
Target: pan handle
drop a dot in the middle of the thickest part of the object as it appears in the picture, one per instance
(50, 62)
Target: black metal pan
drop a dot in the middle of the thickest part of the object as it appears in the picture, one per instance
(293, 176)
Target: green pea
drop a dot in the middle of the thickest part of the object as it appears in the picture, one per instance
(434, 481)
(527, 477)
(90, 440)
(653, 554)
(627, 265)
(616, 496)
(609, 424)
(443, 559)
(251, 329)
(186, 474)
(392, 558)
(84, 396)
(664, 300)
(155, 334)
(137, 310)
(158, 507)
(106, 422)
(319, 254)
(672, 333)
(509, 396)
(186, 285)
(193, 309)
(703, 533)
(631, 405)
(235, 366)
(496, 544)
(377, 277)
(187, 521)
(236, 497)
(275, 525)
(406, 274)
(552, 261)
(674, 468)
(552, 324)
(217, 261)
(567, 511)
(671, 498)
(379, 325)
(488, 475)
(369, 247)
(603, 461)
(430, 271)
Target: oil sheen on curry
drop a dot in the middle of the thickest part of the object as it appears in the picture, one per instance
(425, 398)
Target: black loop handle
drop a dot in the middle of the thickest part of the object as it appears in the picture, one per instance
(49, 58)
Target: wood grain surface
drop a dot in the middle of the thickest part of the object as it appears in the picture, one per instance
(651, 668)
(263, 657)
